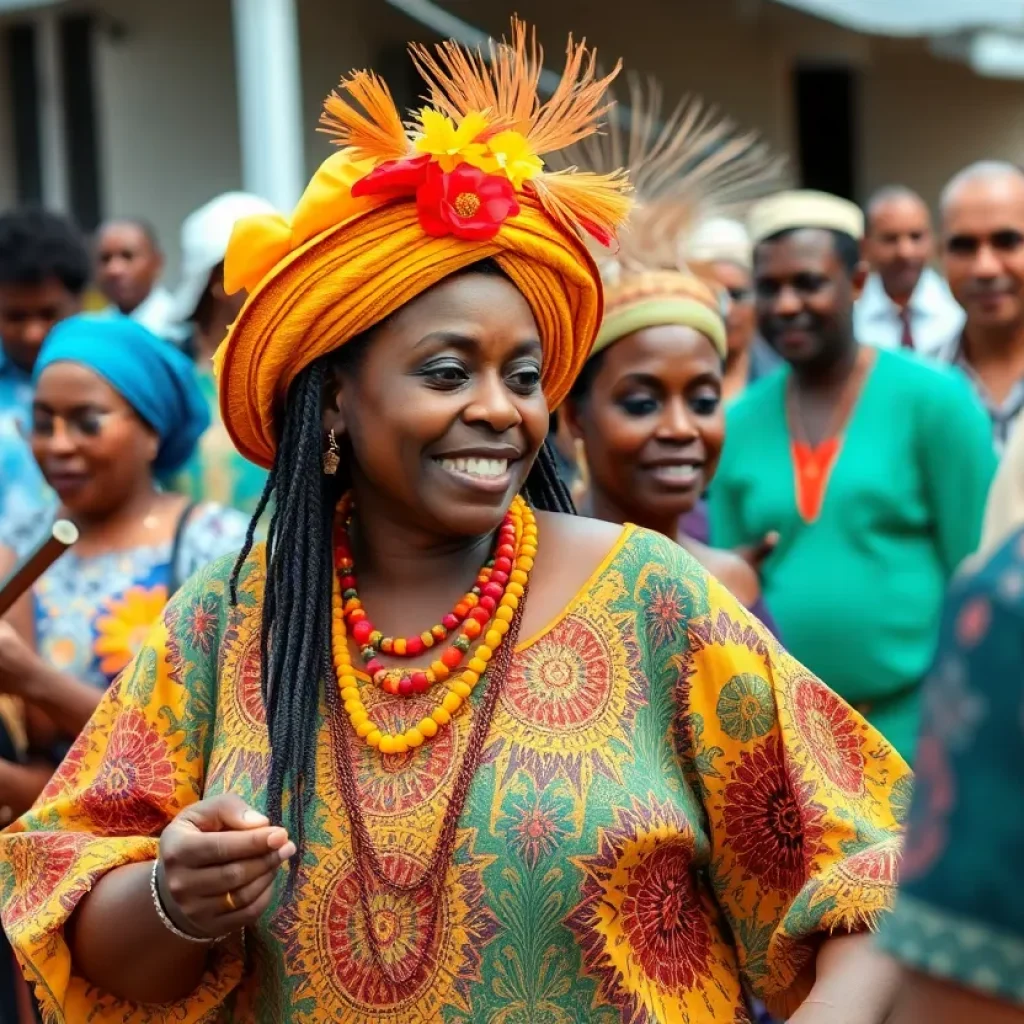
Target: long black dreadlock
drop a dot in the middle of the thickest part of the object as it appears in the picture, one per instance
(295, 637)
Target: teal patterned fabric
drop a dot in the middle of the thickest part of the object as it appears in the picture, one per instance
(960, 914)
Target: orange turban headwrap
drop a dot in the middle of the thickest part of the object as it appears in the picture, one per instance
(392, 215)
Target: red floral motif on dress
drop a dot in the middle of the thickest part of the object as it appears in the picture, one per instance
(569, 703)
(38, 865)
(662, 917)
(973, 621)
(934, 800)
(134, 783)
(639, 898)
(667, 613)
(400, 921)
(721, 631)
(250, 686)
(772, 826)
(65, 779)
(560, 682)
(830, 734)
(326, 942)
(201, 623)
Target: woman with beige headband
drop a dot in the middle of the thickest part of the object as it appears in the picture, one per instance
(649, 403)
(593, 787)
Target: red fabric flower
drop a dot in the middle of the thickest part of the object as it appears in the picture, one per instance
(467, 203)
(394, 178)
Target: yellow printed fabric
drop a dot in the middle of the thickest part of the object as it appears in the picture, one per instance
(669, 809)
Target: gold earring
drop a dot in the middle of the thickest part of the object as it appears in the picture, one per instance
(332, 457)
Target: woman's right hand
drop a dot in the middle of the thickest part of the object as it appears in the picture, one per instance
(218, 862)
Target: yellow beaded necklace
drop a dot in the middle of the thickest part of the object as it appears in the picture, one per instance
(460, 687)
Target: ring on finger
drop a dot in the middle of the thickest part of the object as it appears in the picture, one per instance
(229, 902)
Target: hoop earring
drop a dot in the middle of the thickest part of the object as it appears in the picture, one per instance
(332, 457)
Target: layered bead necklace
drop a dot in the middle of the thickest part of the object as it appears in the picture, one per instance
(484, 614)
(491, 612)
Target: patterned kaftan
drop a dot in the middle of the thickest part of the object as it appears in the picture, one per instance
(669, 806)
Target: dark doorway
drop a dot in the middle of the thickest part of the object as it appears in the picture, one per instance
(23, 81)
(77, 58)
(826, 120)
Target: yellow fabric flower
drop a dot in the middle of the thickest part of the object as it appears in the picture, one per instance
(450, 145)
(509, 152)
(121, 634)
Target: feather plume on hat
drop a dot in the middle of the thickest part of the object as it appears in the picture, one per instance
(692, 166)
(689, 167)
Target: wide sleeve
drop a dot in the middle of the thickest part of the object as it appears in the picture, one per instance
(138, 763)
(802, 798)
(960, 912)
(958, 461)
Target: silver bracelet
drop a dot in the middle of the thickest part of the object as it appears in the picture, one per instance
(165, 920)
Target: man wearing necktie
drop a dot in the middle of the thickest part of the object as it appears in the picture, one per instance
(905, 303)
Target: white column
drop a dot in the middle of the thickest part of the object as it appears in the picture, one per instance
(53, 148)
(270, 99)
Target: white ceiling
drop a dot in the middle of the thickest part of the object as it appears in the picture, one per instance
(9, 6)
(916, 17)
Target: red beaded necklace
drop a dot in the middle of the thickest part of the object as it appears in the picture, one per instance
(516, 547)
(474, 612)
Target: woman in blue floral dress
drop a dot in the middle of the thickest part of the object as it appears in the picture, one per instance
(114, 408)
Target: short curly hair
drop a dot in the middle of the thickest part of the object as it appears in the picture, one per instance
(37, 246)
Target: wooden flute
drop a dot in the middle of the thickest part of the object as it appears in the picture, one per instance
(62, 536)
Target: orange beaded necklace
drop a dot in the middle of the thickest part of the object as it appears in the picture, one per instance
(461, 686)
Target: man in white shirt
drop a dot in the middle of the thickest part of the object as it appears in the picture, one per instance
(905, 303)
(128, 268)
(983, 257)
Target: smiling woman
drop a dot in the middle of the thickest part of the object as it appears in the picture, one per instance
(483, 734)
(112, 407)
(648, 406)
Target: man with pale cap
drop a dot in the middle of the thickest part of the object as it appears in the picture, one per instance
(216, 472)
(720, 249)
(906, 303)
(983, 256)
(870, 467)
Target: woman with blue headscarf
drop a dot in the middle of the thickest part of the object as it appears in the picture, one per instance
(115, 410)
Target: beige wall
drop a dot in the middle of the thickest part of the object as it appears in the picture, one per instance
(924, 119)
(335, 37)
(168, 104)
(169, 116)
(921, 117)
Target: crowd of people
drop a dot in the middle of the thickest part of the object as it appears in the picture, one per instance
(653, 763)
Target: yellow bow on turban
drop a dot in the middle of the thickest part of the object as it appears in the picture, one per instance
(395, 213)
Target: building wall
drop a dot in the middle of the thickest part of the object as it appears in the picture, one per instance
(921, 117)
(168, 104)
(924, 119)
(335, 39)
(169, 115)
